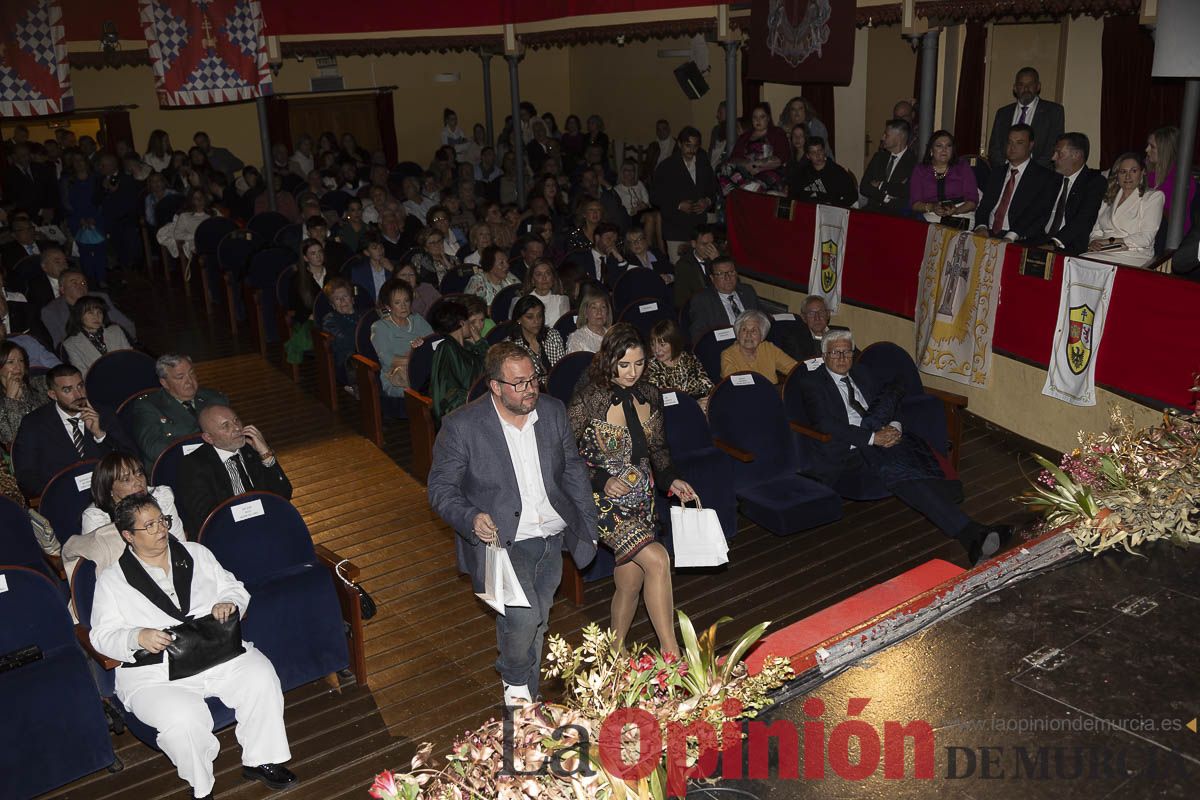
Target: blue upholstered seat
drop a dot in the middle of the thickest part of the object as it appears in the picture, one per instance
(699, 462)
(746, 412)
(708, 349)
(566, 374)
(166, 466)
(643, 312)
(54, 727)
(635, 283)
(63, 501)
(117, 375)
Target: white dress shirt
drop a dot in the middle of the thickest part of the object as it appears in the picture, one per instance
(691, 168)
(538, 519)
(1030, 110)
(54, 285)
(66, 421)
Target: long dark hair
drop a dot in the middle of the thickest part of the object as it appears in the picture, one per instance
(523, 307)
(619, 339)
(105, 474)
(7, 348)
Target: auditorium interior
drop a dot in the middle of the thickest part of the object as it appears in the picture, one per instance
(1056, 666)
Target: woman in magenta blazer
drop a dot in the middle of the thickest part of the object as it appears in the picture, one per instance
(942, 188)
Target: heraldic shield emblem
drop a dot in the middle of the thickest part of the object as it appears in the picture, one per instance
(829, 259)
(1079, 338)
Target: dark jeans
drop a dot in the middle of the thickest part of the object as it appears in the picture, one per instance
(520, 631)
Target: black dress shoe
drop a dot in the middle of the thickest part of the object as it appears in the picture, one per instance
(275, 776)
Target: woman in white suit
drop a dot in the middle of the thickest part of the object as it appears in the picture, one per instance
(1129, 218)
(90, 334)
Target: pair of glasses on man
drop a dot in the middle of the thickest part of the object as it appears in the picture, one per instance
(519, 386)
(163, 522)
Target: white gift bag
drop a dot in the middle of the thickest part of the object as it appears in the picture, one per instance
(697, 536)
(500, 585)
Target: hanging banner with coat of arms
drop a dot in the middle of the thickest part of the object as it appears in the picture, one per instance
(206, 52)
(829, 255)
(802, 41)
(1082, 307)
(35, 78)
(957, 297)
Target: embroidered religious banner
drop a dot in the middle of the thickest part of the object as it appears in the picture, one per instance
(35, 79)
(829, 254)
(206, 52)
(802, 41)
(1082, 307)
(957, 297)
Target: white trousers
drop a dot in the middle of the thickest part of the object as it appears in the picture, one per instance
(247, 684)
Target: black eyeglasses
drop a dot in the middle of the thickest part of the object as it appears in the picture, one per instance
(519, 386)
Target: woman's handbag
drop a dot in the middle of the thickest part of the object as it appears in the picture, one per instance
(202, 643)
(697, 536)
(365, 601)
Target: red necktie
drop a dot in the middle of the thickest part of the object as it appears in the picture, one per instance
(1005, 199)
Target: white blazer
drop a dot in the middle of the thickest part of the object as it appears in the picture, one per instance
(1136, 221)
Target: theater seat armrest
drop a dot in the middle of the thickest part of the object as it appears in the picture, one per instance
(56, 564)
(82, 634)
(741, 455)
(811, 433)
(367, 363)
(949, 398)
(331, 559)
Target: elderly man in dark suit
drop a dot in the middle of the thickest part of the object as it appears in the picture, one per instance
(1077, 198)
(684, 190)
(815, 316)
(720, 304)
(73, 284)
(234, 459)
(64, 431)
(163, 417)
(1045, 117)
(507, 472)
(1019, 196)
(885, 181)
(43, 286)
(25, 243)
(859, 415)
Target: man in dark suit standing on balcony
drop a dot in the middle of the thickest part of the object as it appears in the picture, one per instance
(1045, 117)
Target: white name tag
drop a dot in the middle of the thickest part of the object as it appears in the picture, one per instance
(785, 317)
(434, 344)
(188, 449)
(724, 334)
(670, 399)
(646, 307)
(814, 363)
(245, 511)
(742, 380)
(83, 482)
(3, 583)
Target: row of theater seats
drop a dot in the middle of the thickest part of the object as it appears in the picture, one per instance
(56, 730)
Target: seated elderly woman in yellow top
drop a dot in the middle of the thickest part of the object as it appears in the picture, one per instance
(751, 352)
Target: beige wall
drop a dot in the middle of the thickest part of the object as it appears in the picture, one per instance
(890, 72)
(850, 108)
(1081, 80)
(1016, 46)
(1014, 400)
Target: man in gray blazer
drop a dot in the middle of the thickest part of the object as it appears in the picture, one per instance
(718, 305)
(74, 285)
(507, 471)
(1047, 118)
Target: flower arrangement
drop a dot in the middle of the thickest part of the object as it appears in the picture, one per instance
(561, 751)
(1125, 487)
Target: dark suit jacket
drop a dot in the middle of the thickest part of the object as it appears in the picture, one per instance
(20, 319)
(472, 472)
(159, 419)
(706, 309)
(895, 189)
(1031, 204)
(1186, 260)
(672, 185)
(33, 192)
(1048, 124)
(43, 447)
(612, 268)
(39, 292)
(1079, 214)
(204, 484)
(690, 277)
(11, 254)
(910, 459)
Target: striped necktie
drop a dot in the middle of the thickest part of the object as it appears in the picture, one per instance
(234, 467)
(77, 434)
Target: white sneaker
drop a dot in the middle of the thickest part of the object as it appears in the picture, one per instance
(516, 695)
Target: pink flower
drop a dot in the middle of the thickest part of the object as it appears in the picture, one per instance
(670, 658)
(646, 662)
(384, 787)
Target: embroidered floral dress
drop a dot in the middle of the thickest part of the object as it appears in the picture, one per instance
(626, 524)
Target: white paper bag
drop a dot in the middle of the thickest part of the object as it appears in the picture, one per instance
(697, 536)
(500, 585)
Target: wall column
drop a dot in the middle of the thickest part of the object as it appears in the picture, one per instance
(927, 103)
(486, 58)
(731, 115)
(1183, 162)
(518, 138)
(264, 133)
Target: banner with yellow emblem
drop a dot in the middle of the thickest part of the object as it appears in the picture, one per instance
(1082, 307)
(956, 304)
(829, 254)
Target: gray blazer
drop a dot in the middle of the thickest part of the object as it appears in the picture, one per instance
(707, 311)
(472, 472)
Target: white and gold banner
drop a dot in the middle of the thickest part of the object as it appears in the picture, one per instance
(956, 304)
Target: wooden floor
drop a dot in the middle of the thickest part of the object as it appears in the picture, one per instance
(431, 648)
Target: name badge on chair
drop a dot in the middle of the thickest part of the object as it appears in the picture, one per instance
(742, 380)
(244, 511)
(645, 308)
(83, 482)
(724, 334)
(670, 399)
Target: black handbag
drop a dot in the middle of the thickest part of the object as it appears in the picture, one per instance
(365, 602)
(201, 643)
